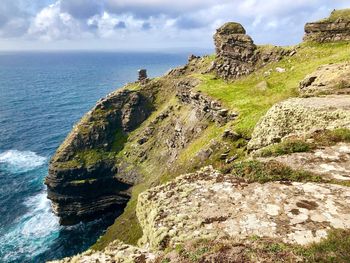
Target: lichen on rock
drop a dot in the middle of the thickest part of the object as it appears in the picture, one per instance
(300, 116)
(208, 204)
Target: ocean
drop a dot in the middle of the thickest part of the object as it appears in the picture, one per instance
(41, 96)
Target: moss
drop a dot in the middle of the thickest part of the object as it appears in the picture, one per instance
(120, 138)
(93, 156)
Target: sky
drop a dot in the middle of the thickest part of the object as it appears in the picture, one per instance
(151, 24)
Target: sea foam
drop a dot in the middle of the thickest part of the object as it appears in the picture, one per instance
(21, 161)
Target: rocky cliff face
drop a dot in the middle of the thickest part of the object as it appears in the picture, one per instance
(333, 29)
(82, 179)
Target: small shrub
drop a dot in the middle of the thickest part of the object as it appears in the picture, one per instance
(255, 171)
(286, 147)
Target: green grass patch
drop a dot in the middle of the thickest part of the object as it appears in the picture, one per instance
(263, 172)
(251, 102)
(120, 138)
(286, 147)
(338, 14)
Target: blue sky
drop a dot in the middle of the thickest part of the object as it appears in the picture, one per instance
(151, 24)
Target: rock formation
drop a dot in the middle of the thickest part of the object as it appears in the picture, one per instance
(82, 181)
(235, 51)
(332, 29)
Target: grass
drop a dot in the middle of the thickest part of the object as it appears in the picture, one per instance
(244, 95)
(319, 139)
(286, 147)
(255, 171)
(336, 14)
(333, 249)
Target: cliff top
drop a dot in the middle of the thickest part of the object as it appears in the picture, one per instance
(343, 14)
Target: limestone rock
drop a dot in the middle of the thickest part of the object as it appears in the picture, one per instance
(327, 79)
(300, 116)
(335, 28)
(208, 204)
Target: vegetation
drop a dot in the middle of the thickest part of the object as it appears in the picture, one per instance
(319, 139)
(252, 102)
(336, 14)
(244, 96)
(263, 172)
(334, 248)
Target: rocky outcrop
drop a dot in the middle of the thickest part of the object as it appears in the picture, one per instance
(333, 29)
(237, 55)
(205, 106)
(82, 181)
(208, 204)
(235, 51)
(327, 79)
(300, 116)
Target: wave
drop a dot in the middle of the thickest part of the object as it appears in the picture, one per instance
(33, 232)
(21, 161)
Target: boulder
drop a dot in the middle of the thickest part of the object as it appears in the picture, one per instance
(327, 79)
(300, 116)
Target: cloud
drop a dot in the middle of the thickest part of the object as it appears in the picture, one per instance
(81, 9)
(156, 23)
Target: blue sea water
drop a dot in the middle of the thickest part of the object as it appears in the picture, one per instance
(41, 96)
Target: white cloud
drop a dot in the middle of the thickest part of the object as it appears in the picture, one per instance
(157, 23)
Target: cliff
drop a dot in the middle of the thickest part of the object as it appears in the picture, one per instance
(334, 28)
(238, 157)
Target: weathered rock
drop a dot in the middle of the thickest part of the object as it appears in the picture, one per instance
(237, 55)
(204, 106)
(331, 162)
(235, 51)
(81, 181)
(208, 204)
(332, 29)
(300, 116)
(327, 79)
(116, 252)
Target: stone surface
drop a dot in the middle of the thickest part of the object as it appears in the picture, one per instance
(335, 28)
(116, 252)
(208, 204)
(327, 79)
(300, 116)
(331, 162)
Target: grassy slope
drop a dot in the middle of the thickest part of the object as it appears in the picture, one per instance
(243, 96)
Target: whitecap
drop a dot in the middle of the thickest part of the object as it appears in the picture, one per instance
(34, 232)
(21, 160)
